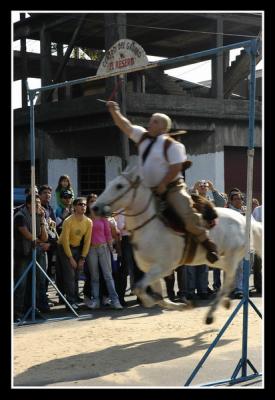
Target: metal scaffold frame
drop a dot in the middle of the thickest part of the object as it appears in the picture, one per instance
(251, 47)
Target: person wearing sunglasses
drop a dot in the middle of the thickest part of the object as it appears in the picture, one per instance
(64, 209)
(73, 247)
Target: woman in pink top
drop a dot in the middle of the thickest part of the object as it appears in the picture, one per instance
(99, 254)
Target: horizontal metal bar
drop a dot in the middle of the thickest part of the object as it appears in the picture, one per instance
(92, 78)
(162, 63)
(233, 381)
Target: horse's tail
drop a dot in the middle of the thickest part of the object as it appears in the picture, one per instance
(256, 228)
(205, 207)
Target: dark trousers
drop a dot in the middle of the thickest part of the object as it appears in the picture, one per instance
(20, 265)
(170, 282)
(50, 263)
(67, 274)
(23, 293)
(197, 278)
(119, 278)
(128, 264)
(257, 271)
(216, 278)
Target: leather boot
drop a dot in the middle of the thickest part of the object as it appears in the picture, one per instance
(212, 251)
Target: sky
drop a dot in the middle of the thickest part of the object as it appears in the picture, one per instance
(197, 72)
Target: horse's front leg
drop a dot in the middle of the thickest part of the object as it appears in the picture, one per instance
(149, 298)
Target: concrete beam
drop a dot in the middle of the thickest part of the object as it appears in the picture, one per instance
(139, 103)
(73, 69)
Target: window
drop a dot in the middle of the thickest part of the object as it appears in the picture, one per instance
(91, 175)
(22, 173)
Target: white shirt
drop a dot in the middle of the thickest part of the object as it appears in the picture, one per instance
(120, 220)
(156, 167)
(257, 213)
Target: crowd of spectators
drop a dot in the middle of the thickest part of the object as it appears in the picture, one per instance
(74, 244)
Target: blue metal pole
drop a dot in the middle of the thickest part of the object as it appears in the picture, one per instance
(22, 276)
(32, 95)
(251, 47)
(213, 344)
(255, 308)
(250, 152)
(56, 288)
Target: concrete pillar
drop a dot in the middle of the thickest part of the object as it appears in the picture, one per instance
(139, 82)
(218, 64)
(115, 29)
(41, 146)
(45, 61)
(23, 50)
(61, 91)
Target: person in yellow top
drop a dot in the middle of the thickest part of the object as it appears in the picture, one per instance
(72, 249)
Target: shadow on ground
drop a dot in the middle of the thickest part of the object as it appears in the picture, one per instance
(95, 364)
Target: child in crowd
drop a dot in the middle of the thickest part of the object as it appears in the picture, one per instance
(64, 184)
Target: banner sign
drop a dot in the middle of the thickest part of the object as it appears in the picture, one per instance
(122, 56)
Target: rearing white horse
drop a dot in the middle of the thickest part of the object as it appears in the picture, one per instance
(158, 250)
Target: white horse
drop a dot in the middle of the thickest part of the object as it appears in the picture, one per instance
(158, 250)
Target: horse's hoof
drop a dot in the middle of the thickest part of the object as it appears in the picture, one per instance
(181, 307)
(137, 291)
(148, 302)
(209, 320)
(190, 305)
(156, 296)
(227, 303)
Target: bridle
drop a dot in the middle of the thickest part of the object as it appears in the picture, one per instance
(134, 185)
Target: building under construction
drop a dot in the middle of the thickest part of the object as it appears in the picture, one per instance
(75, 134)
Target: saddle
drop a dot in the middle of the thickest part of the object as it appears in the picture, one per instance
(170, 219)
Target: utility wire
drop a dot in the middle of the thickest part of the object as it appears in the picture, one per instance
(193, 69)
(191, 31)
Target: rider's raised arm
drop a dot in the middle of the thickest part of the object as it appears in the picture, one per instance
(123, 123)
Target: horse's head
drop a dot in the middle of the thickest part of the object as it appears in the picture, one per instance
(120, 193)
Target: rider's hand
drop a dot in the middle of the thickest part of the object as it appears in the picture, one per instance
(112, 106)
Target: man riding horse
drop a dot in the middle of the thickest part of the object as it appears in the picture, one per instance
(164, 174)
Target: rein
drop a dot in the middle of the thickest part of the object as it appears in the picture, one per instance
(134, 185)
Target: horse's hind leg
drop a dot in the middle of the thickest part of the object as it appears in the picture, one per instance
(165, 303)
(224, 291)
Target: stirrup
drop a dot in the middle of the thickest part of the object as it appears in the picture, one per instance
(212, 256)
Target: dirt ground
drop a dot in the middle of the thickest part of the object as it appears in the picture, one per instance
(133, 347)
